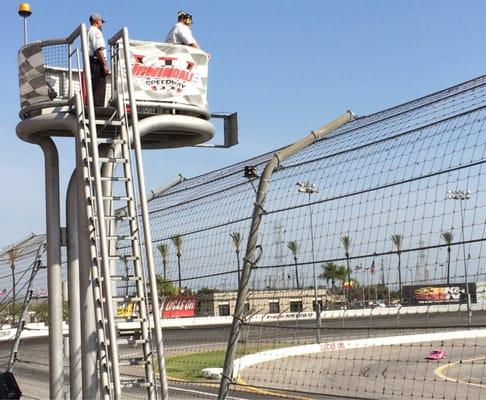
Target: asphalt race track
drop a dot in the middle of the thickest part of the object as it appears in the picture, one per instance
(395, 372)
(388, 372)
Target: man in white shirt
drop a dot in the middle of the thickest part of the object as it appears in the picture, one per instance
(97, 59)
(181, 32)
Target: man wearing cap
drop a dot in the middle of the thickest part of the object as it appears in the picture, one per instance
(181, 32)
(97, 59)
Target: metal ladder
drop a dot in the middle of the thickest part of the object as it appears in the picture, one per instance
(102, 191)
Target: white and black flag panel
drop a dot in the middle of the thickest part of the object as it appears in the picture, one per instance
(32, 80)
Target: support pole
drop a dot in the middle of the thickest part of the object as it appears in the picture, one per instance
(27, 130)
(75, 369)
(249, 259)
(54, 279)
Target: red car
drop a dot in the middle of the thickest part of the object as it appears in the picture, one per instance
(436, 355)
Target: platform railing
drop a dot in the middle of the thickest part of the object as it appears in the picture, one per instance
(168, 79)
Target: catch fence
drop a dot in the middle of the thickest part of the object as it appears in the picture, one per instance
(386, 236)
(389, 240)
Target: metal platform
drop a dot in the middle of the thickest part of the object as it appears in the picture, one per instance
(170, 90)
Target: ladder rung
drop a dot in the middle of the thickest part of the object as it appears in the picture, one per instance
(120, 320)
(113, 198)
(108, 122)
(118, 198)
(129, 278)
(123, 341)
(113, 179)
(109, 160)
(127, 299)
(124, 258)
(118, 160)
(119, 237)
(134, 361)
(132, 384)
(119, 217)
(105, 141)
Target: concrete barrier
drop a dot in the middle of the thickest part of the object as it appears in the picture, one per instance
(40, 329)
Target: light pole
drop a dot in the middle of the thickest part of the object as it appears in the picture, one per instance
(310, 188)
(463, 195)
(25, 12)
(412, 284)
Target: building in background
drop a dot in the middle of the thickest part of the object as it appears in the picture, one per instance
(265, 301)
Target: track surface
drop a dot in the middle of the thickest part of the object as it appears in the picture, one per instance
(356, 370)
(388, 372)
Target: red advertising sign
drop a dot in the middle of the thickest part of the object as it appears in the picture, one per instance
(179, 306)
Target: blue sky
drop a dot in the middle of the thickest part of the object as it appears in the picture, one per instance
(285, 66)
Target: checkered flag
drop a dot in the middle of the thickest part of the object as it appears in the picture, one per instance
(32, 79)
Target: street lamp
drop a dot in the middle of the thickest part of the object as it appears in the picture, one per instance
(462, 195)
(309, 189)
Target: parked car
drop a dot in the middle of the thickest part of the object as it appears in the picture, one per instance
(436, 355)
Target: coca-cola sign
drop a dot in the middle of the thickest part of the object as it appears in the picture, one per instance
(179, 306)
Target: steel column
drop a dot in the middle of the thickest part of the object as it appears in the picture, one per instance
(54, 279)
(75, 369)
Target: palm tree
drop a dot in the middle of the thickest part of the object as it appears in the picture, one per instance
(397, 242)
(177, 241)
(447, 237)
(164, 287)
(333, 272)
(13, 255)
(163, 248)
(293, 246)
(346, 242)
(237, 238)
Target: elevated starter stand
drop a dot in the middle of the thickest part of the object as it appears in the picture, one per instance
(156, 99)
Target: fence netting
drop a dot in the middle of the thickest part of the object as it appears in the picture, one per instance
(389, 242)
(380, 226)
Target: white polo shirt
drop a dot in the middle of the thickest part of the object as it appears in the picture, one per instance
(95, 41)
(180, 34)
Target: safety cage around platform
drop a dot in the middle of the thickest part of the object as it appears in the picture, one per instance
(166, 78)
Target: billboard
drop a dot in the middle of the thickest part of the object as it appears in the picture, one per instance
(453, 293)
(125, 310)
(179, 306)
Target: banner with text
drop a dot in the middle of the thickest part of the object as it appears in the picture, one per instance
(165, 72)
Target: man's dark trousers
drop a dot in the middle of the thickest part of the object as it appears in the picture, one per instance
(98, 81)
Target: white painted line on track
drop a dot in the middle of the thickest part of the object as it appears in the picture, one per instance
(205, 393)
